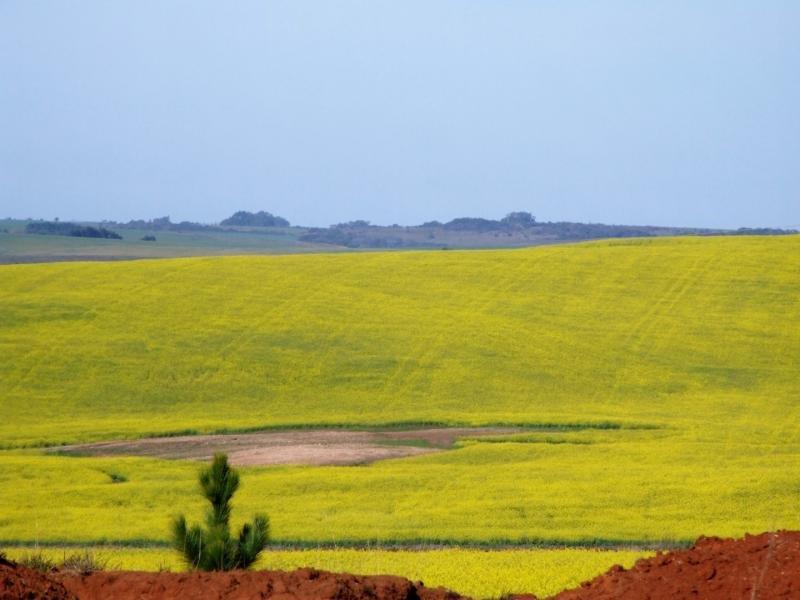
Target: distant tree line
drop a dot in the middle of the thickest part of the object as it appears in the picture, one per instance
(514, 220)
(763, 231)
(242, 218)
(162, 224)
(519, 228)
(70, 229)
(358, 224)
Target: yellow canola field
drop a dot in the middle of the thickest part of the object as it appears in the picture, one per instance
(696, 338)
(687, 332)
(643, 490)
(475, 573)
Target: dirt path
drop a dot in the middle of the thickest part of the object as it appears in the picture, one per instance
(293, 447)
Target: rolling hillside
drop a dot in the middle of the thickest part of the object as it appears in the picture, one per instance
(671, 365)
(643, 331)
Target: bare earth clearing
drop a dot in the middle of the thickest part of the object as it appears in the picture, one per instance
(294, 447)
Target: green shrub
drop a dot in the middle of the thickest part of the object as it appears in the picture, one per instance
(116, 477)
(212, 548)
(83, 562)
(37, 561)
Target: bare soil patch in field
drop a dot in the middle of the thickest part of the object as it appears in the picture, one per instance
(293, 447)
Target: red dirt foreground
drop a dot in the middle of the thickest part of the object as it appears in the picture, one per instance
(303, 584)
(764, 567)
(18, 582)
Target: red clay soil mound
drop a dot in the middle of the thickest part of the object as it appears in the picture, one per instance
(18, 582)
(764, 567)
(303, 584)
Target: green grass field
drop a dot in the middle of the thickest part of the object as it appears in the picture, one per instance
(18, 247)
(684, 352)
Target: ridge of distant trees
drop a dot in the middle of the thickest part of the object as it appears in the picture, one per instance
(70, 229)
(519, 225)
(240, 218)
(517, 228)
(763, 231)
(243, 218)
(162, 224)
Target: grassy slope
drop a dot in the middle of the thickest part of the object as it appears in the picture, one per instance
(700, 337)
(17, 246)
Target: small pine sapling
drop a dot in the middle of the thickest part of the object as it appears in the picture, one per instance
(212, 548)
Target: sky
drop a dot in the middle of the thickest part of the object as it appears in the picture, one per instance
(654, 113)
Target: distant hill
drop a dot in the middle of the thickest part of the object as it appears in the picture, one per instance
(515, 229)
(265, 233)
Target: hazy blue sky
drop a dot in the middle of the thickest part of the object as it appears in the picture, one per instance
(664, 112)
